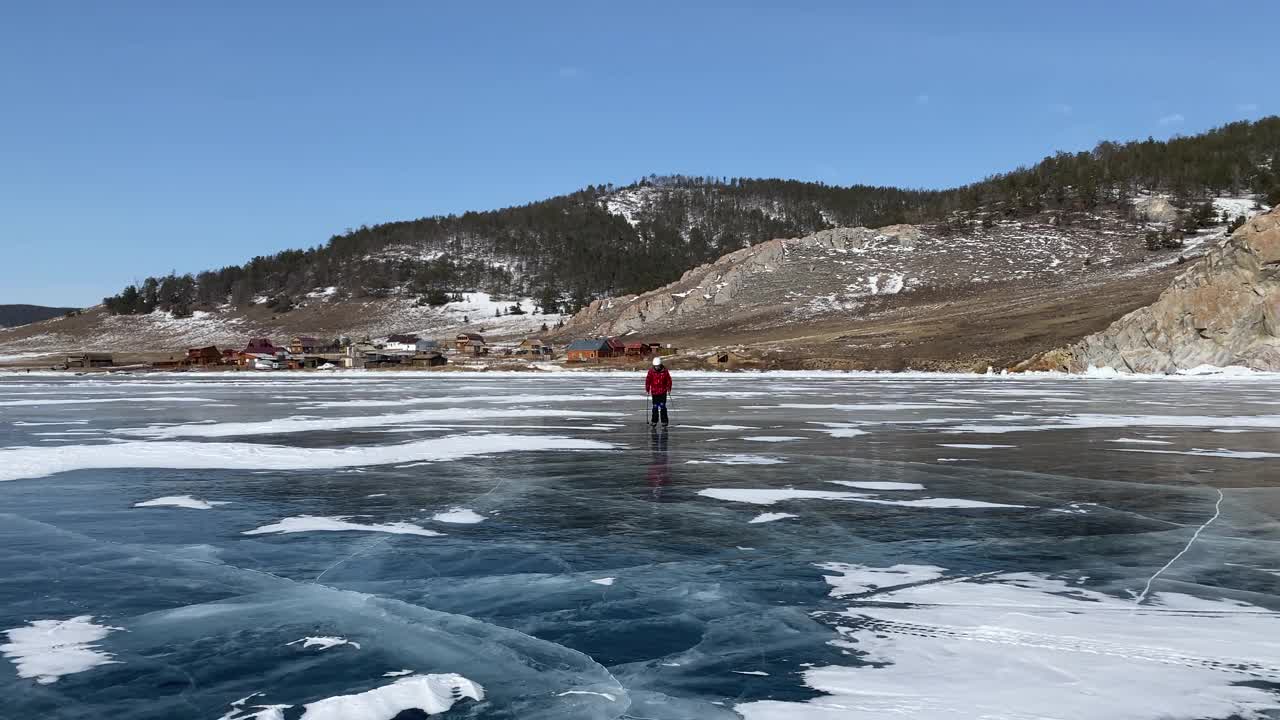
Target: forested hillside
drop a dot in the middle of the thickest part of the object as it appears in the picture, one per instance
(606, 240)
(15, 315)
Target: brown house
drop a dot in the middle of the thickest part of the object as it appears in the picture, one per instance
(202, 357)
(304, 345)
(594, 350)
(466, 341)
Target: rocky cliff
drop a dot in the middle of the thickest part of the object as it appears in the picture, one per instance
(1224, 310)
(700, 290)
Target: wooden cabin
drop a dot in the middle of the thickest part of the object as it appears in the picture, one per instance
(89, 360)
(593, 350)
(204, 357)
(466, 341)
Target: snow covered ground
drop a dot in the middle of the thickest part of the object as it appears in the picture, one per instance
(503, 545)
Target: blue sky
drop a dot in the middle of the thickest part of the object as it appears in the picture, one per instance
(138, 138)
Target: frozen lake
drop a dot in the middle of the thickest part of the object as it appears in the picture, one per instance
(800, 546)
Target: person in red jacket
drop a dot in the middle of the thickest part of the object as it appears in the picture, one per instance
(656, 385)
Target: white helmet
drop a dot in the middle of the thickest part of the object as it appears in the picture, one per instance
(657, 362)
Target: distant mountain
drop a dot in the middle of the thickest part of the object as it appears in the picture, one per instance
(605, 241)
(15, 315)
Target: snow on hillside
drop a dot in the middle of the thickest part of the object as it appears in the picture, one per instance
(323, 315)
(1237, 206)
(630, 203)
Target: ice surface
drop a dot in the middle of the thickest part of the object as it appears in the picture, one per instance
(772, 438)
(606, 696)
(758, 496)
(459, 516)
(1080, 581)
(181, 501)
(737, 459)
(28, 462)
(97, 401)
(306, 425)
(309, 523)
(1220, 452)
(1080, 422)
(942, 503)
(46, 650)
(877, 485)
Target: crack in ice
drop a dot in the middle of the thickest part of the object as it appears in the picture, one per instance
(1217, 510)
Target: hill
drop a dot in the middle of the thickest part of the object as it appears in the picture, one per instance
(15, 315)
(603, 241)
(1223, 311)
(993, 272)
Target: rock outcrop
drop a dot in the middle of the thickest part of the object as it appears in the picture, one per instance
(1156, 209)
(1224, 310)
(720, 282)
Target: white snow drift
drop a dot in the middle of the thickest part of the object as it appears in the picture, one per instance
(30, 462)
(48, 649)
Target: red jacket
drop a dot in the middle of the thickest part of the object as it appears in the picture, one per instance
(657, 382)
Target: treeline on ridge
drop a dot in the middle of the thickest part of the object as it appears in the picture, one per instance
(567, 250)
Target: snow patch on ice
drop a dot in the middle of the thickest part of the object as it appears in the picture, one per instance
(604, 581)
(182, 501)
(606, 696)
(952, 503)
(737, 460)
(770, 517)
(100, 401)
(313, 523)
(321, 424)
(459, 516)
(429, 693)
(48, 649)
(324, 642)
(30, 462)
(840, 430)
(1019, 645)
(1219, 453)
(1090, 421)
(761, 496)
(860, 579)
(877, 485)
(771, 438)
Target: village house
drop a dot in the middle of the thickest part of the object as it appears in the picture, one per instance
(304, 345)
(467, 342)
(642, 349)
(261, 349)
(429, 360)
(89, 360)
(593, 350)
(204, 357)
(534, 346)
(262, 346)
(409, 343)
(357, 353)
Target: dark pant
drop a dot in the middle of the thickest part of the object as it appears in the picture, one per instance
(659, 407)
